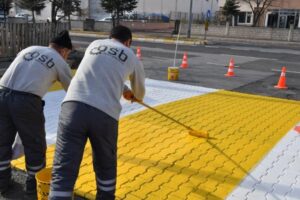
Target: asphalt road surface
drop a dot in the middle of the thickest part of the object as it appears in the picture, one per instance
(257, 67)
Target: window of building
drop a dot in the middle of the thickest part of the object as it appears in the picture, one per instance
(244, 17)
(249, 19)
(283, 18)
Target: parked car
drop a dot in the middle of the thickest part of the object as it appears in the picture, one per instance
(106, 19)
(158, 17)
(59, 17)
(24, 16)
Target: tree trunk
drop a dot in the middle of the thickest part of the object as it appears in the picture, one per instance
(255, 20)
(69, 21)
(118, 18)
(113, 20)
(53, 13)
(4, 14)
(33, 17)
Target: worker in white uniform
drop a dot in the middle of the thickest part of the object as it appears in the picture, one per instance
(22, 88)
(91, 110)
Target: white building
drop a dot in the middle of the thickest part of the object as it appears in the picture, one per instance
(281, 14)
(92, 8)
(180, 6)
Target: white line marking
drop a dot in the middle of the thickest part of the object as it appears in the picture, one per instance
(212, 63)
(292, 72)
(219, 64)
(257, 58)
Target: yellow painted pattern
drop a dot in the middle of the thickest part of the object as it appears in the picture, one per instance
(158, 159)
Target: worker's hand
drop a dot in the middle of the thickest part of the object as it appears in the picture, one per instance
(128, 95)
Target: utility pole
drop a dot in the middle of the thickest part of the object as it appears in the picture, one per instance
(89, 9)
(190, 19)
(176, 9)
(144, 7)
(161, 7)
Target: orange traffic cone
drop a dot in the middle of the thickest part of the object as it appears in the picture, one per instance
(184, 63)
(281, 83)
(230, 71)
(139, 53)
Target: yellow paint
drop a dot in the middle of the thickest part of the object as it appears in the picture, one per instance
(158, 159)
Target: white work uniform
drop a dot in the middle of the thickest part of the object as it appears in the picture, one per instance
(100, 78)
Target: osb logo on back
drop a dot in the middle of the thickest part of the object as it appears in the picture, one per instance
(118, 54)
(43, 59)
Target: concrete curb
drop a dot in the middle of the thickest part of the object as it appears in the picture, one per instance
(170, 41)
(88, 35)
(146, 39)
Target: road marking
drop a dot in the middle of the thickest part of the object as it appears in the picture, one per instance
(259, 49)
(212, 63)
(219, 64)
(257, 58)
(292, 72)
(288, 62)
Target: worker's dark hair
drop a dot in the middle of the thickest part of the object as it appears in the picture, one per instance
(62, 40)
(121, 33)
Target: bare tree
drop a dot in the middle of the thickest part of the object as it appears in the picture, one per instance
(258, 8)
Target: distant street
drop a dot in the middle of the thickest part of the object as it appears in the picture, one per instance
(257, 68)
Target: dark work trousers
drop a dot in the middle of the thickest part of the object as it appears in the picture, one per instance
(77, 123)
(23, 113)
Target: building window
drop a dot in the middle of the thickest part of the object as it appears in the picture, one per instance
(249, 18)
(283, 18)
(244, 18)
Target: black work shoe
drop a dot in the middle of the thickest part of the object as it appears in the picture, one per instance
(30, 190)
(30, 187)
(4, 189)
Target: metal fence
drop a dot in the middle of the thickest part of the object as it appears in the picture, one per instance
(16, 36)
